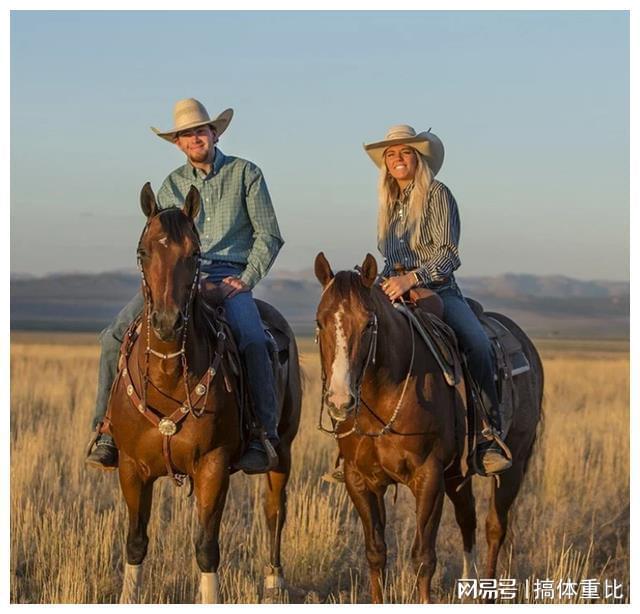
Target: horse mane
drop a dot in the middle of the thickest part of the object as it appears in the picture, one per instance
(349, 285)
(175, 223)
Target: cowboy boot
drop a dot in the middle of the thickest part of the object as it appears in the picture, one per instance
(491, 456)
(260, 455)
(104, 453)
(336, 476)
(256, 459)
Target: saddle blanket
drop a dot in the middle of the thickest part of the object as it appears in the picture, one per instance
(441, 340)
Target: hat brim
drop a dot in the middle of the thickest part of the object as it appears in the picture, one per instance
(219, 124)
(426, 143)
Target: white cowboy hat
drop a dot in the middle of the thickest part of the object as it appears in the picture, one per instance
(427, 143)
(190, 113)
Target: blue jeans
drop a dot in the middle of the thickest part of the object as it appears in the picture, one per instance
(474, 343)
(244, 320)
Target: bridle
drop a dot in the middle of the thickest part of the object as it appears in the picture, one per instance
(167, 425)
(371, 359)
(185, 313)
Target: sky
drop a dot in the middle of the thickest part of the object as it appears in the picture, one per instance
(532, 107)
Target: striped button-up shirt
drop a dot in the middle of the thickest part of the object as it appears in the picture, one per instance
(435, 256)
(237, 222)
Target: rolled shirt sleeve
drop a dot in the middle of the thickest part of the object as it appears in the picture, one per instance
(267, 240)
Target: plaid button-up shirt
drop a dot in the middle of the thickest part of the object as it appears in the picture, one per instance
(237, 222)
(435, 256)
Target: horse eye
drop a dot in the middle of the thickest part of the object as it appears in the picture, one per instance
(142, 253)
(318, 325)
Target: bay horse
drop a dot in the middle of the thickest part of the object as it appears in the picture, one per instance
(173, 410)
(395, 422)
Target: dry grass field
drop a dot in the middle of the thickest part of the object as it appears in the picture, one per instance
(68, 524)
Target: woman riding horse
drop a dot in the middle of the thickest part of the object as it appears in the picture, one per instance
(418, 234)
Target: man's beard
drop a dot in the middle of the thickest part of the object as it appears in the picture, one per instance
(200, 156)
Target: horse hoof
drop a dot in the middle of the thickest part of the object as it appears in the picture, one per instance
(131, 584)
(276, 595)
(312, 597)
(274, 588)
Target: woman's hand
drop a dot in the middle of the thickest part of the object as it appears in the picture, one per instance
(236, 285)
(395, 287)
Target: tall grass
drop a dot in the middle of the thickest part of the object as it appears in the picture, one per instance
(68, 524)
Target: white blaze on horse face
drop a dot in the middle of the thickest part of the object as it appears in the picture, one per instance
(340, 384)
(163, 240)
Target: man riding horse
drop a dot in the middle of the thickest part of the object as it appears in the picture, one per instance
(240, 241)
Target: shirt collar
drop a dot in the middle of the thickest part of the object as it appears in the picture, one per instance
(218, 161)
(403, 197)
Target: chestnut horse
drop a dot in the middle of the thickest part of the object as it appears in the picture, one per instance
(395, 421)
(174, 412)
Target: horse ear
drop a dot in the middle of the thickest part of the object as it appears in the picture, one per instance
(148, 201)
(323, 269)
(192, 203)
(369, 271)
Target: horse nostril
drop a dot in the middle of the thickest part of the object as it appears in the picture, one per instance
(154, 319)
(179, 322)
(349, 404)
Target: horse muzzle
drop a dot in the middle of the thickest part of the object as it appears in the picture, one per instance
(167, 325)
(339, 411)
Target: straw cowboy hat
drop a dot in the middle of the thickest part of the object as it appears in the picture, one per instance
(427, 143)
(190, 113)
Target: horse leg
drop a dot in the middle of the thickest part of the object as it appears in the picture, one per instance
(502, 498)
(427, 486)
(211, 482)
(275, 509)
(138, 494)
(370, 506)
(465, 509)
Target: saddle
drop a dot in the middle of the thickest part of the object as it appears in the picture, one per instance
(214, 297)
(424, 309)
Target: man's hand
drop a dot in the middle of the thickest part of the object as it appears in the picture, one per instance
(233, 286)
(395, 287)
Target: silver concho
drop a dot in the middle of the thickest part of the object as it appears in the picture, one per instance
(141, 408)
(184, 409)
(201, 389)
(124, 371)
(129, 389)
(167, 427)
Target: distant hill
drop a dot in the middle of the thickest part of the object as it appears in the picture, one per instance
(542, 305)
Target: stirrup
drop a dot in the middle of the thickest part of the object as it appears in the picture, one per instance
(272, 455)
(333, 477)
(492, 434)
(92, 441)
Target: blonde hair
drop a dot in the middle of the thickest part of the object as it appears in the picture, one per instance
(389, 192)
